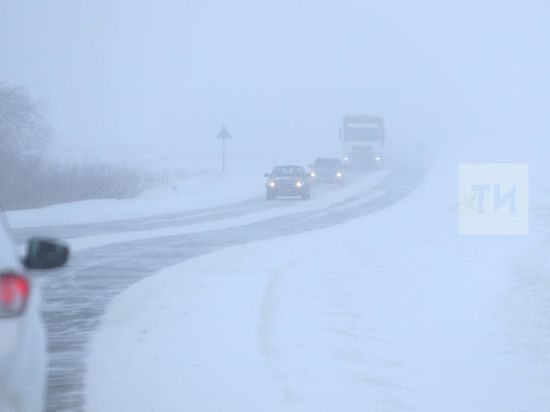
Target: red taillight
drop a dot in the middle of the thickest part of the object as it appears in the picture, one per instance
(14, 293)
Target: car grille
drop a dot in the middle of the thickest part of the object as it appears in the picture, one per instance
(361, 148)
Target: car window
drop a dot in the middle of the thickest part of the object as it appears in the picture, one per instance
(328, 163)
(282, 171)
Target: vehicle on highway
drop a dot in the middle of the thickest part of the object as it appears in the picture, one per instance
(22, 336)
(287, 181)
(327, 170)
(363, 138)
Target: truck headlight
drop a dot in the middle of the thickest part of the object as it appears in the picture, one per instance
(299, 184)
(339, 174)
(377, 158)
(271, 184)
(346, 158)
(312, 174)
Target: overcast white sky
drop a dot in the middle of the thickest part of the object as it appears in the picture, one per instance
(163, 76)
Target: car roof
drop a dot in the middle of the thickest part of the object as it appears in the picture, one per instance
(328, 158)
(289, 166)
(8, 258)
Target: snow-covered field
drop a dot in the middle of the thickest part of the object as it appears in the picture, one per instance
(205, 190)
(391, 312)
(204, 187)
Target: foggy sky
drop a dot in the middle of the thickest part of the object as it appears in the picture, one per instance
(135, 76)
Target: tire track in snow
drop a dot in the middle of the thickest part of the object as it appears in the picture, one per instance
(76, 296)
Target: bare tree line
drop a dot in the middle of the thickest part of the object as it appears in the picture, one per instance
(29, 179)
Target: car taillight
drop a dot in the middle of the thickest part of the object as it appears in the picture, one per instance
(14, 293)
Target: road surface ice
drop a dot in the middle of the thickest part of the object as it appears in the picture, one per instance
(392, 311)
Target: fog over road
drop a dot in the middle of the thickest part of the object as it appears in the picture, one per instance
(76, 297)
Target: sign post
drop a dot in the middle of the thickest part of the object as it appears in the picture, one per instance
(223, 135)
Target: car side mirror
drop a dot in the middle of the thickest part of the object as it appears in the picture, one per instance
(267, 175)
(45, 253)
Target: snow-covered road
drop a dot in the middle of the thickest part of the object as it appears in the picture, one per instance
(389, 312)
(76, 298)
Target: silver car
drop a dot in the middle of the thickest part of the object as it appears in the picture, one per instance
(22, 336)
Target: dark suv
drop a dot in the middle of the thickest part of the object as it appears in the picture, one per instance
(328, 170)
(287, 181)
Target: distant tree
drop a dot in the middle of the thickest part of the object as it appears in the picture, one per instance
(29, 178)
(23, 130)
(24, 136)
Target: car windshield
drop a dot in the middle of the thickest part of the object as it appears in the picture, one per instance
(327, 163)
(287, 171)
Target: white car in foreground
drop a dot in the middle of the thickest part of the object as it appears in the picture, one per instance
(22, 337)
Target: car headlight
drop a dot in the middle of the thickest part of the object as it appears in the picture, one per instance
(271, 184)
(346, 158)
(299, 184)
(312, 174)
(377, 158)
(339, 174)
